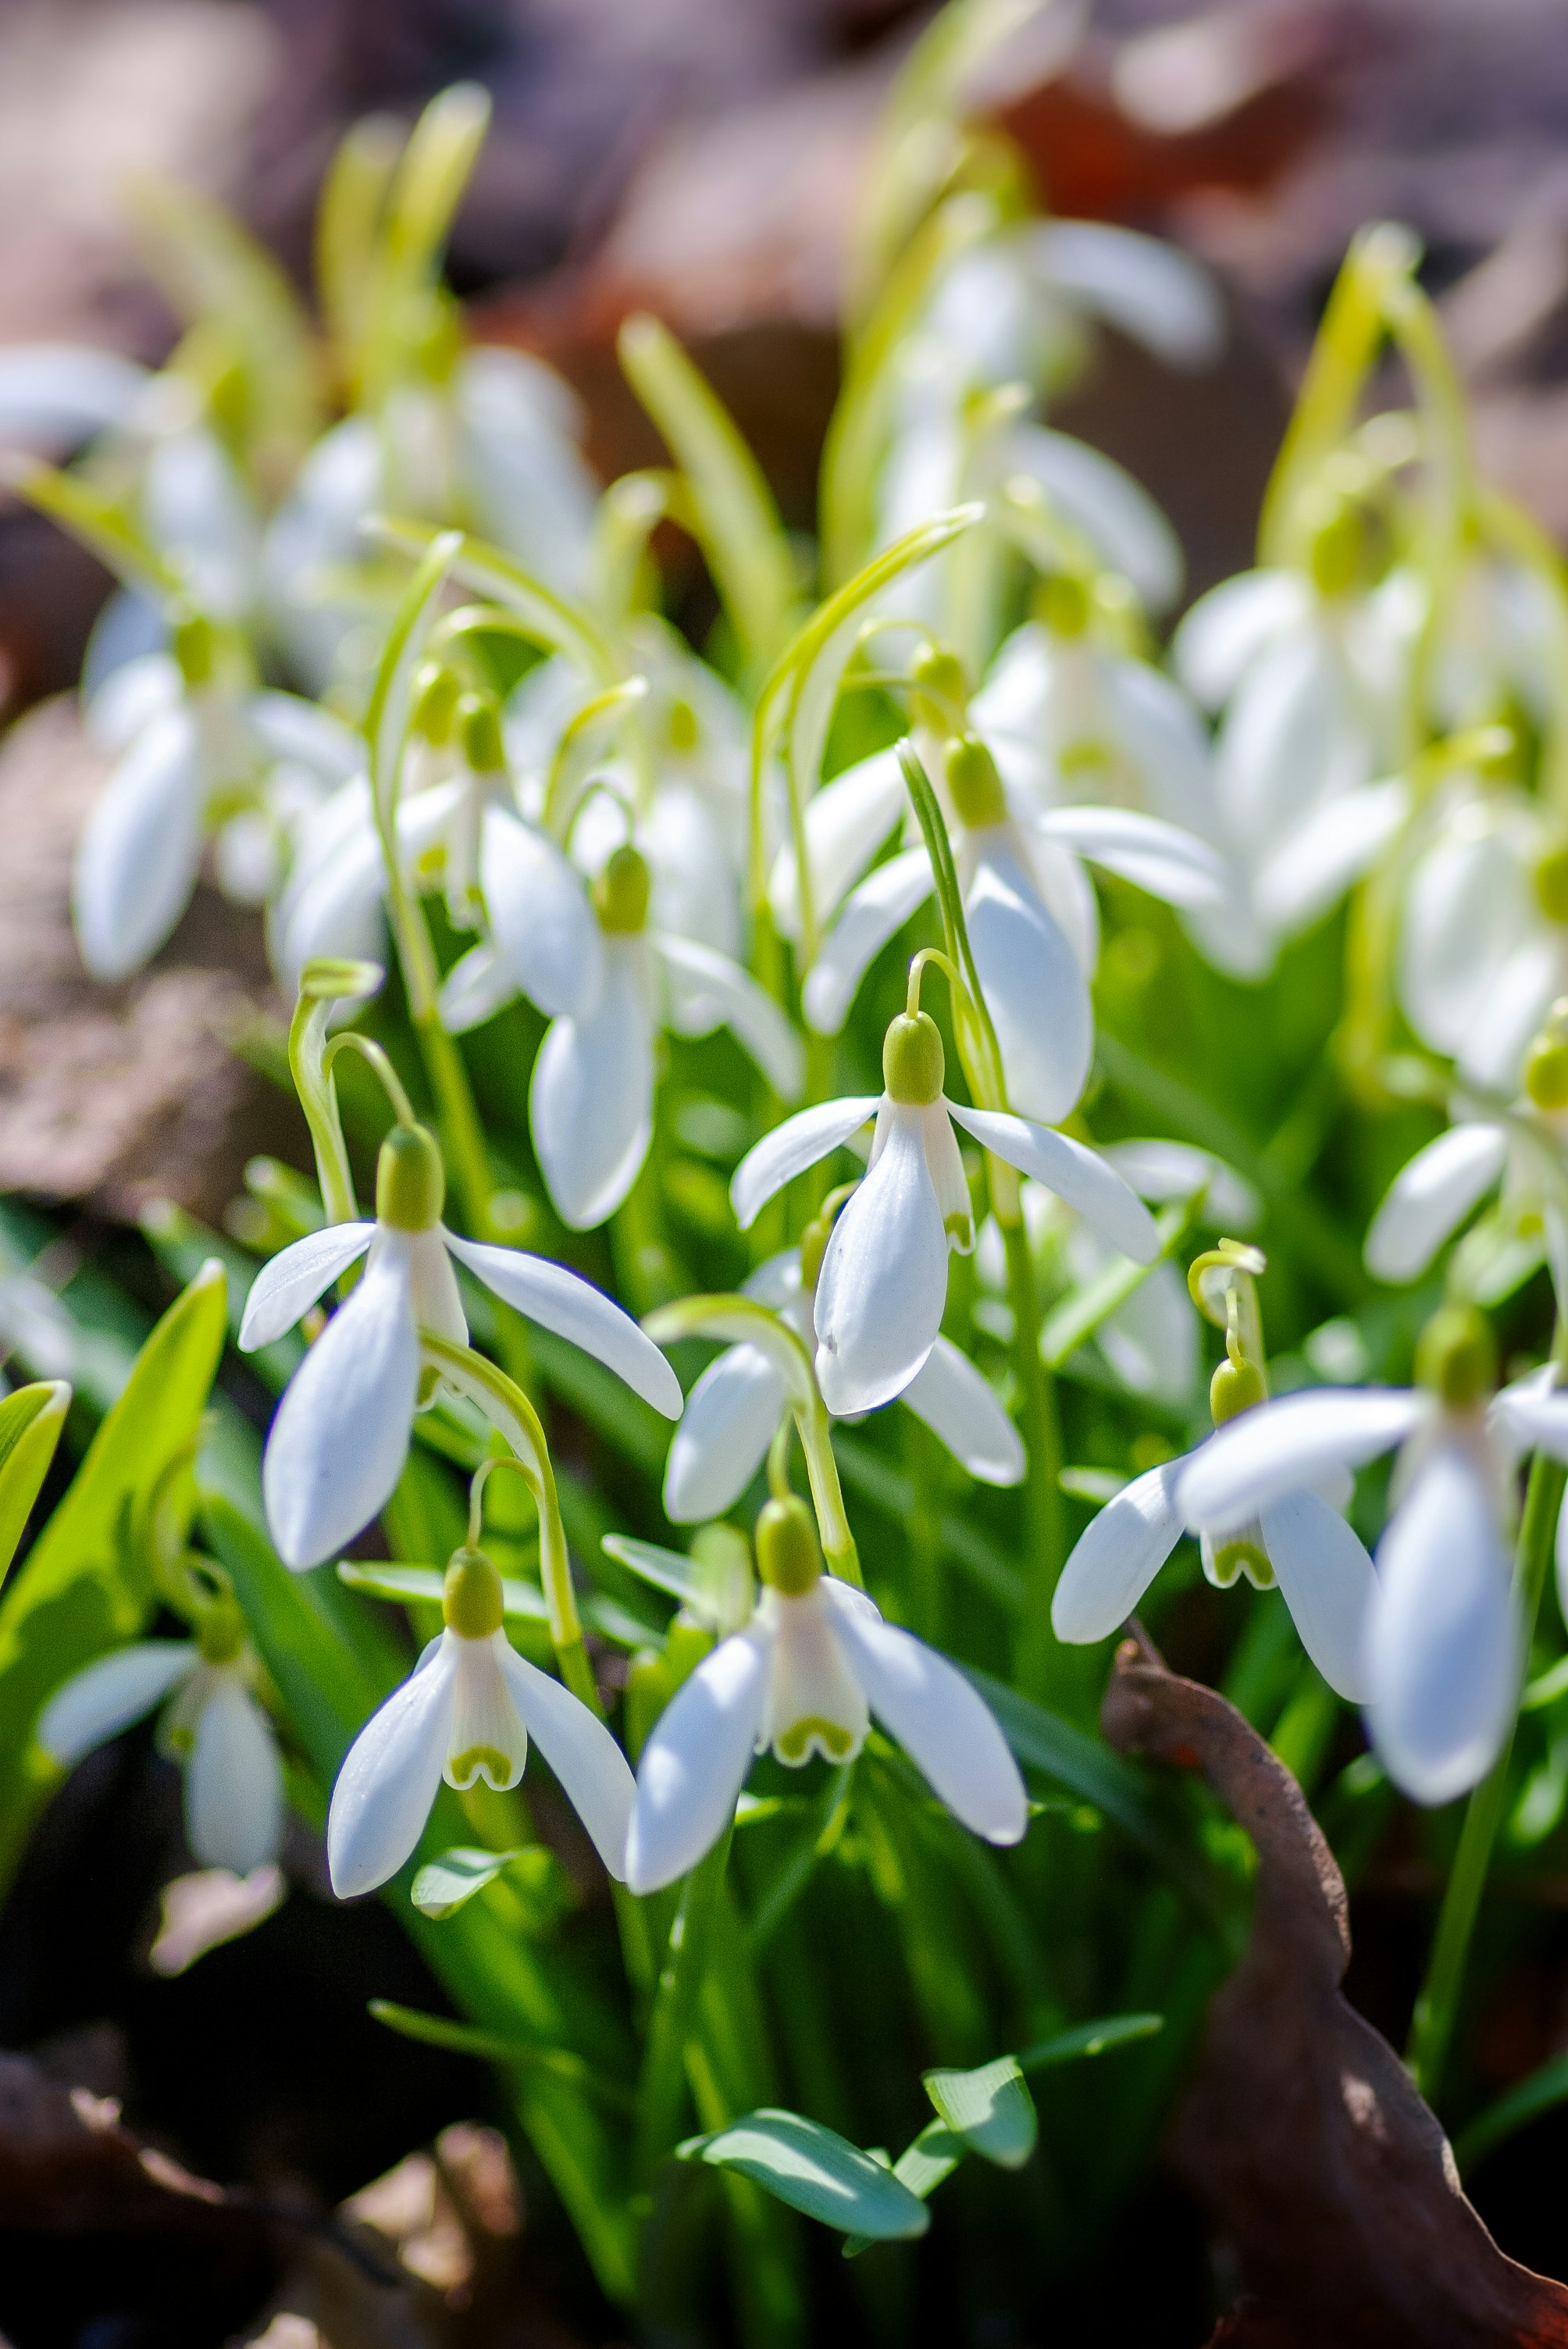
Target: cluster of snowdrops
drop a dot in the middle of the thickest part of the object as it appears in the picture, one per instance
(413, 660)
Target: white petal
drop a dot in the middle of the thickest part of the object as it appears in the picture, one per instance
(1467, 907)
(694, 1764)
(53, 395)
(1431, 1197)
(585, 1759)
(1294, 739)
(234, 1780)
(1284, 1446)
(1099, 497)
(95, 1703)
(140, 849)
(488, 1739)
(1151, 290)
(290, 1282)
(477, 987)
(731, 1417)
(337, 1445)
(1314, 866)
(1533, 1412)
(1443, 1636)
(1161, 858)
(433, 1296)
(791, 1148)
(874, 914)
(815, 1702)
(1075, 1174)
(1226, 629)
(1163, 735)
(1515, 1006)
(883, 1281)
(1328, 1584)
(540, 917)
(590, 1103)
(1037, 995)
(574, 1308)
(960, 1408)
(391, 1777)
(1161, 1170)
(846, 823)
(746, 1010)
(945, 1727)
(147, 686)
(1118, 1556)
(302, 734)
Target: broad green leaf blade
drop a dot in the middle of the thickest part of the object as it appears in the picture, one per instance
(442, 1886)
(1090, 2039)
(817, 2171)
(923, 2165)
(990, 2108)
(30, 1423)
(738, 522)
(79, 1593)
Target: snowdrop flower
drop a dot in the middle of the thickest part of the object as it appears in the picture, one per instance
(341, 1434)
(805, 1676)
(53, 396)
(1483, 943)
(740, 1402)
(465, 1715)
(1297, 1537)
(234, 1780)
(1442, 1650)
(591, 1099)
(884, 1279)
(193, 755)
(1029, 912)
(1498, 639)
(1312, 676)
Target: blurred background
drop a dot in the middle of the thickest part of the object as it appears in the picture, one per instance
(698, 158)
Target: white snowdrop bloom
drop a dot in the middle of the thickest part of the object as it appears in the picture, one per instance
(681, 765)
(805, 1676)
(194, 757)
(1313, 681)
(1440, 1655)
(199, 513)
(1435, 1190)
(740, 1402)
(466, 1714)
(884, 1279)
(1483, 938)
(234, 1779)
(591, 1099)
(338, 1442)
(1497, 638)
(1030, 911)
(53, 396)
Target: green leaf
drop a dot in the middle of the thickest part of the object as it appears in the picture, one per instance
(1090, 2039)
(737, 519)
(101, 527)
(79, 1591)
(491, 2048)
(544, 617)
(392, 696)
(1080, 1315)
(990, 2108)
(443, 1885)
(923, 2165)
(817, 2171)
(667, 1569)
(30, 1423)
(1538, 2094)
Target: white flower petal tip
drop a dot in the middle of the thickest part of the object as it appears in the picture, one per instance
(790, 1149)
(590, 1098)
(592, 1771)
(140, 849)
(962, 1410)
(1290, 1446)
(341, 1436)
(1116, 1557)
(572, 1308)
(289, 1283)
(1076, 1174)
(389, 1780)
(731, 1419)
(234, 1780)
(941, 1722)
(694, 1764)
(1328, 1584)
(95, 1703)
(1431, 1197)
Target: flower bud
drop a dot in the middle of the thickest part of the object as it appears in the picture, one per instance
(788, 1558)
(411, 1181)
(471, 1601)
(620, 892)
(1546, 1073)
(941, 689)
(1062, 603)
(973, 784)
(1456, 1356)
(478, 728)
(1235, 1386)
(913, 1063)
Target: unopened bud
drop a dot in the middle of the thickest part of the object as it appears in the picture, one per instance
(974, 783)
(788, 1558)
(620, 892)
(471, 1600)
(913, 1065)
(411, 1181)
(1235, 1386)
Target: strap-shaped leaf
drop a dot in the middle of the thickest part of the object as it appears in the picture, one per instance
(1090, 2039)
(923, 2165)
(990, 2108)
(817, 2171)
(536, 1877)
(30, 1423)
(738, 1321)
